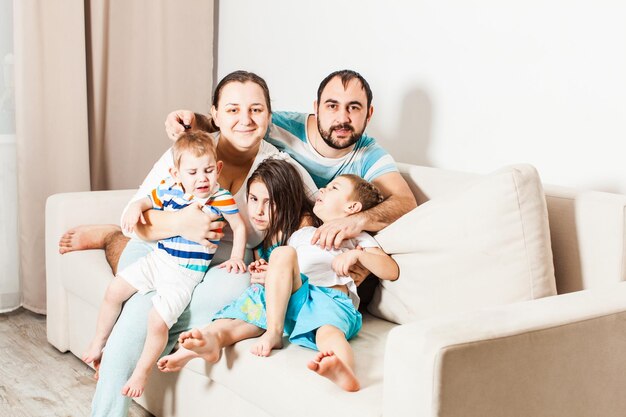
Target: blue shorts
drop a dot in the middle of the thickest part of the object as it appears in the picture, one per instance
(309, 308)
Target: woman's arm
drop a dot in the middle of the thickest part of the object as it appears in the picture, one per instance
(191, 223)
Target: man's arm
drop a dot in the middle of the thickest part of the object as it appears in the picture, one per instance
(398, 200)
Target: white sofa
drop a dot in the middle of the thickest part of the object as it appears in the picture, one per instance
(558, 356)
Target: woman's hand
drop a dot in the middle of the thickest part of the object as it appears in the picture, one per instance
(177, 121)
(234, 265)
(196, 225)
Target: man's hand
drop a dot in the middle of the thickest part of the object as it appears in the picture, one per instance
(176, 122)
(195, 225)
(332, 233)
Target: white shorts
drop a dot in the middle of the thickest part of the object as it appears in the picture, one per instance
(174, 284)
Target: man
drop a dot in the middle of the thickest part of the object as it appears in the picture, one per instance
(330, 142)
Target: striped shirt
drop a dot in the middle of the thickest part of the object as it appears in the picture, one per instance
(368, 160)
(170, 196)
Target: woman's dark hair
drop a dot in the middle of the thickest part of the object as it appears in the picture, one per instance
(288, 204)
(242, 77)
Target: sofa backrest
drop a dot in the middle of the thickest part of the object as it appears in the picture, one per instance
(587, 228)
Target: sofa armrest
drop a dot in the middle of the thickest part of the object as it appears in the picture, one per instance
(62, 212)
(557, 356)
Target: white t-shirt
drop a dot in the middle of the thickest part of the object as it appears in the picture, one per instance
(161, 168)
(316, 263)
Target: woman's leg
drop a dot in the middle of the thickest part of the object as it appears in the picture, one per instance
(335, 360)
(217, 289)
(121, 354)
(282, 280)
(127, 339)
(123, 346)
(153, 347)
(117, 292)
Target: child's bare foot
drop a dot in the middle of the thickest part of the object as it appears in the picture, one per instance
(96, 365)
(94, 353)
(267, 342)
(90, 236)
(204, 344)
(328, 365)
(136, 384)
(176, 361)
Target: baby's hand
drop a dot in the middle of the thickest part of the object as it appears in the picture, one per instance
(235, 265)
(343, 262)
(132, 216)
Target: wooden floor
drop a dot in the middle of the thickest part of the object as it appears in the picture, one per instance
(36, 380)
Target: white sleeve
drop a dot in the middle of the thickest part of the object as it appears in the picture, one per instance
(160, 170)
(365, 240)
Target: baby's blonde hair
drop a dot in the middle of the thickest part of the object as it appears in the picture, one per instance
(197, 142)
(364, 192)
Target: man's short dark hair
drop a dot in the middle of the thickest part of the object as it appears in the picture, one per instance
(346, 76)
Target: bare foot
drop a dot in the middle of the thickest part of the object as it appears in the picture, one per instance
(204, 344)
(136, 384)
(96, 365)
(267, 342)
(94, 353)
(176, 361)
(90, 236)
(328, 365)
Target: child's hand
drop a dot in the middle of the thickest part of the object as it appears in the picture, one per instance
(235, 265)
(132, 216)
(342, 263)
(258, 271)
(258, 265)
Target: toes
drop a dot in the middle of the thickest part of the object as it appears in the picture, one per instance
(312, 365)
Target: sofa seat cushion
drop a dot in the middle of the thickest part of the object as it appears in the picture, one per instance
(251, 377)
(486, 245)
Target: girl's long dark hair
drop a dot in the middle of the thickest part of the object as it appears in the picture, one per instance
(288, 205)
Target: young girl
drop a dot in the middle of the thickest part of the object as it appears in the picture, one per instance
(316, 308)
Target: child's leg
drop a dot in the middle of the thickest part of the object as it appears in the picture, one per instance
(117, 292)
(335, 360)
(208, 342)
(282, 280)
(152, 348)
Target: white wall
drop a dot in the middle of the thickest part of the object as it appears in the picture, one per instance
(459, 86)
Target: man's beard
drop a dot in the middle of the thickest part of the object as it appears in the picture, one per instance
(333, 143)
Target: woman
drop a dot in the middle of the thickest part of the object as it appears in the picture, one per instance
(242, 111)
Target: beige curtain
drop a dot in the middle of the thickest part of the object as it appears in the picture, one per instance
(94, 82)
